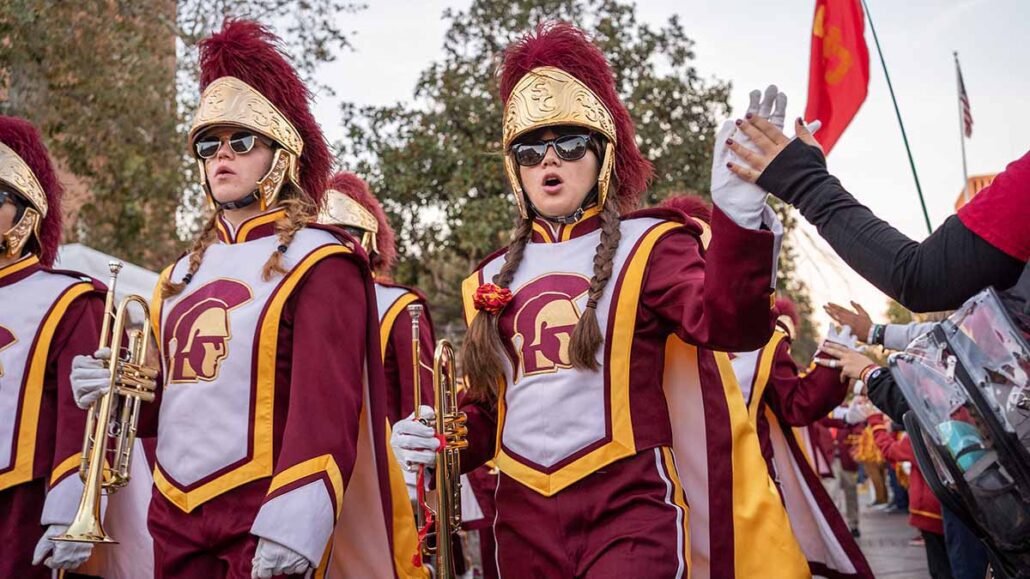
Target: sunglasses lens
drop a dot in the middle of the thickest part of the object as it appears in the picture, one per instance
(206, 148)
(528, 155)
(242, 142)
(572, 147)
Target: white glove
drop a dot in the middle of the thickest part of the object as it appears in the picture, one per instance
(858, 412)
(844, 337)
(89, 377)
(415, 443)
(741, 201)
(63, 554)
(840, 413)
(271, 559)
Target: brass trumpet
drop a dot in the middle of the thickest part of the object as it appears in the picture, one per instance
(111, 422)
(444, 521)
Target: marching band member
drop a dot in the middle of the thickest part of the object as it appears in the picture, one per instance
(620, 436)
(350, 205)
(271, 448)
(780, 398)
(48, 317)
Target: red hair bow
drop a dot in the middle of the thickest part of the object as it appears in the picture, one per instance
(491, 298)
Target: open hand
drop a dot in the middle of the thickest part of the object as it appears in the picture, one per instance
(850, 362)
(769, 140)
(859, 320)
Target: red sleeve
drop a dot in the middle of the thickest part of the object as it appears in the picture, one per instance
(802, 399)
(326, 375)
(400, 381)
(482, 435)
(1001, 211)
(719, 300)
(829, 422)
(891, 448)
(78, 333)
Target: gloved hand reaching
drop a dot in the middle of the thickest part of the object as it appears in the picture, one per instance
(741, 201)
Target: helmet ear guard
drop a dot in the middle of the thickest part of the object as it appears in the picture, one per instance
(17, 237)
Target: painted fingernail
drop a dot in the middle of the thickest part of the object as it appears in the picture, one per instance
(729, 165)
(738, 121)
(748, 116)
(729, 141)
(799, 121)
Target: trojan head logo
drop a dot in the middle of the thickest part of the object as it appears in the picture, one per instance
(545, 316)
(197, 330)
(6, 339)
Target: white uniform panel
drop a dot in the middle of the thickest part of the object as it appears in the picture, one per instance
(551, 416)
(34, 295)
(205, 421)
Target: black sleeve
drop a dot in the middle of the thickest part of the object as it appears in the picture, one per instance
(885, 395)
(938, 274)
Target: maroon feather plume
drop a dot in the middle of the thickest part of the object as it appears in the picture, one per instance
(786, 307)
(250, 52)
(24, 139)
(564, 46)
(355, 187)
(690, 205)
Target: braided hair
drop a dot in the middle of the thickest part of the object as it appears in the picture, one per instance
(481, 351)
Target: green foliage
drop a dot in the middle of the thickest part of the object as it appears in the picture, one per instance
(97, 81)
(436, 165)
(898, 314)
(112, 86)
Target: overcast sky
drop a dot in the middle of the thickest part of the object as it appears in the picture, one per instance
(753, 43)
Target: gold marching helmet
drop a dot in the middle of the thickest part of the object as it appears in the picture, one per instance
(230, 102)
(16, 174)
(247, 83)
(338, 208)
(555, 76)
(550, 97)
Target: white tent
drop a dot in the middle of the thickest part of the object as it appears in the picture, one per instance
(132, 279)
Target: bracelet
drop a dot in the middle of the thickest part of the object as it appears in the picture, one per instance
(878, 331)
(866, 371)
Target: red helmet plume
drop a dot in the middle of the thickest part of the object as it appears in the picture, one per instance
(25, 141)
(691, 205)
(786, 307)
(250, 52)
(562, 45)
(355, 187)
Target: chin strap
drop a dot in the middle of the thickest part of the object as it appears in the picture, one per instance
(571, 218)
(245, 201)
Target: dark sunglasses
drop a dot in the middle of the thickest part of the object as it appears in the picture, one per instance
(568, 148)
(11, 197)
(240, 143)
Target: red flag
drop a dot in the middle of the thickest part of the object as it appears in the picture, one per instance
(838, 77)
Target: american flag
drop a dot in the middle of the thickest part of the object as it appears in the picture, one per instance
(967, 114)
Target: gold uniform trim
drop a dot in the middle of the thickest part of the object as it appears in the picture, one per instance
(765, 363)
(25, 449)
(260, 465)
(15, 172)
(386, 326)
(623, 442)
(325, 463)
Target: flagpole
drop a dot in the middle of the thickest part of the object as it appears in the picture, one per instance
(904, 136)
(962, 130)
